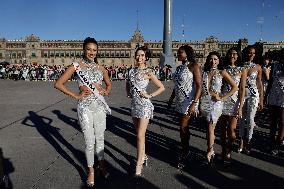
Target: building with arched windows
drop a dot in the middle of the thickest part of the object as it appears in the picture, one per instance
(33, 50)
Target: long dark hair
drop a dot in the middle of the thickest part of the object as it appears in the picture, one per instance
(189, 53)
(239, 60)
(90, 40)
(246, 51)
(207, 66)
(146, 51)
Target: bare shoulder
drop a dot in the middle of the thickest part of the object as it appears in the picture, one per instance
(149, 74)
(102, 68)
(150, 71)
(223, 73)
(70, 67)
(258, 67)
(196, 66)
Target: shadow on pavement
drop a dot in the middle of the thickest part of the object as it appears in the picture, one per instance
(68, 120)
(51, 134)
(6, 167)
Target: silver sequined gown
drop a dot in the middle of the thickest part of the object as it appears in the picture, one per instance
(184, 88)
(92, 117)
(276, 95)
(140, 107)
(231, 104)
(250, 105)
(210, 108)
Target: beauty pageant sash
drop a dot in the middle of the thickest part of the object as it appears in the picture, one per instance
(90, 85)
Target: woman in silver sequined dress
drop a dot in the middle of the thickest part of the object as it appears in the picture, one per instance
(187, 91)
(266, 68)
(253, 98)
(232, 107)
(275, 93)
(141, 106)
(211, 102)
(92, 108)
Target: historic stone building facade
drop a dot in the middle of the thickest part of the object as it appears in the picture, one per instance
(33, 50)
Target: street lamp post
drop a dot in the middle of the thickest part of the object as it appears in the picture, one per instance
(167, 57)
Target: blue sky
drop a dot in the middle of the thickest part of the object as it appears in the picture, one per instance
(228, 20)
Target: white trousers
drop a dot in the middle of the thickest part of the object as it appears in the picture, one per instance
(93, 124)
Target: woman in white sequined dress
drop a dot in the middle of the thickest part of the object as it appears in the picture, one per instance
(187, 91)
(211, 102)
(141, 106)
(253, 98)
(92, 108)
(232, 107)
(275, 93)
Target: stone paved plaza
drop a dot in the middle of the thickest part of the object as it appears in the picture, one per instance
(43, 146)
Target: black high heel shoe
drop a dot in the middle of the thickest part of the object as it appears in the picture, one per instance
(102, 170)
(182, 160)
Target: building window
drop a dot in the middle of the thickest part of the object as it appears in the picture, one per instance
(33, 54)
(1, 55)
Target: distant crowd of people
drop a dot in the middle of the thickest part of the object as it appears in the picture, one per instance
(51, 73)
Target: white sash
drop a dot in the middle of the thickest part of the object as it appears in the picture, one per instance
(90, 85)
(280, 83)
(206, 88)
(181, 88)
(251, 89)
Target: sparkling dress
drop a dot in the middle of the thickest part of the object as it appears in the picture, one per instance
(210, 108)
(140, 107)
(184, 88)
(251, 103)
(92, 116)
(231, 104)
(276, 95)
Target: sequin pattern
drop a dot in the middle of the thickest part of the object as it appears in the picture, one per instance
(184, 88)
(276, 95)
(231, 104)
(94, 75)
(209, 108)
(250, 105)
(140, 107)
(92, 117)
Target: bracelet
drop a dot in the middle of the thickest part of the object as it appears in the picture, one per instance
(151, 96)
(194, 101)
